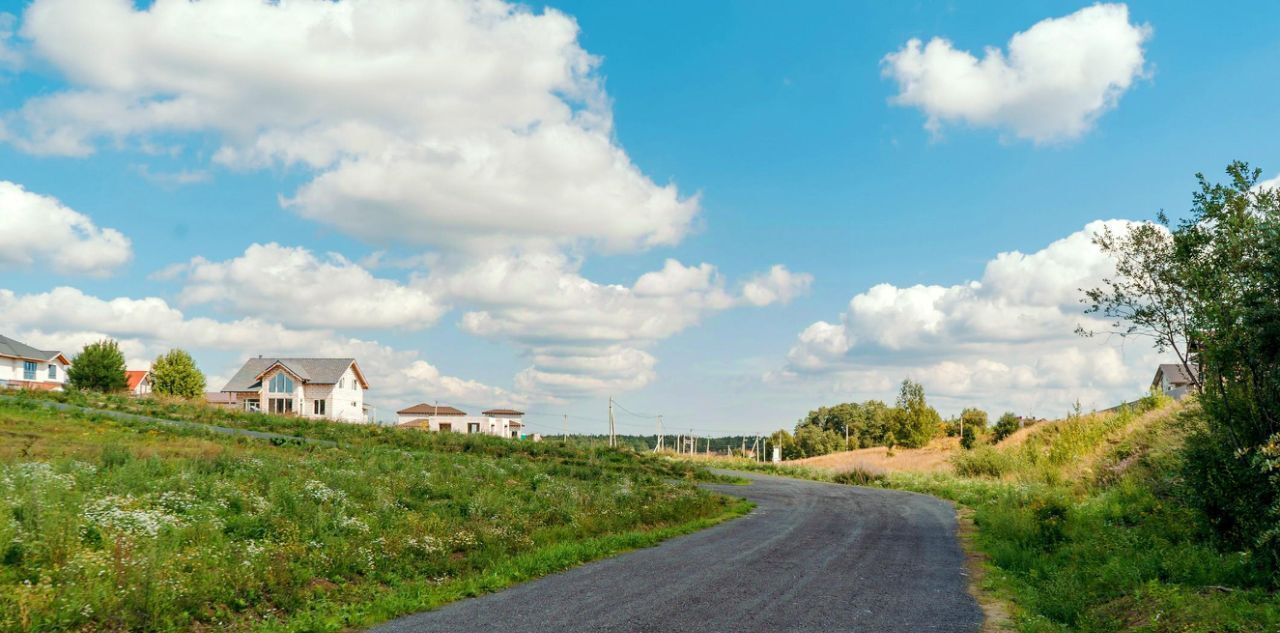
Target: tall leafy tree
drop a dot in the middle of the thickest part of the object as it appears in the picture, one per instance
(98, 367)
(175, 374)
(917, 421)
(1207, 289)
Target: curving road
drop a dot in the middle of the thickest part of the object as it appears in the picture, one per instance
(811, 557)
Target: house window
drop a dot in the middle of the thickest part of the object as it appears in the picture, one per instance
(28, 370)
(446, 426)
(280, 383)
(473, 427)
(342, 383)
(318, 407)
(252, 405)
(281, 405)
(53, 372)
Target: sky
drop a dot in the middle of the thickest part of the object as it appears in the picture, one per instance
(727, 213)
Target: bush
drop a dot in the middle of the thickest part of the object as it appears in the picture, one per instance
(984, 461)
(1007, 425)
(858, 477)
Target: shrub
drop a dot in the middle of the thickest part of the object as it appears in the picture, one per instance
(858, 477)
(1007, 425)
(984, 461)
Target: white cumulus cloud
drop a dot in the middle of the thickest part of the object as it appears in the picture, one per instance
(451, 123)
(295, 287)
(39, 231)
(1004, 341)
(1055, 80)
(584, 336)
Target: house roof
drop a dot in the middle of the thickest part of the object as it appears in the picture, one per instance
(316, 371)
(1175, 373)
(135, 376)
(503, 412)
(430, 409)
(18, 349)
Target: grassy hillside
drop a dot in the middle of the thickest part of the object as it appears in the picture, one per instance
(114, 525)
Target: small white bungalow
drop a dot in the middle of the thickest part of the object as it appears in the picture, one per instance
(431, 417)
(25, 367)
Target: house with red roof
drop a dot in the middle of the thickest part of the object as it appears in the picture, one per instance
(139, 382)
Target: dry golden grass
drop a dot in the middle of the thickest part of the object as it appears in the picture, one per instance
(934, 458)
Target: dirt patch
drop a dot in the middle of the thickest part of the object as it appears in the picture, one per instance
(996, 612)
(934, 458)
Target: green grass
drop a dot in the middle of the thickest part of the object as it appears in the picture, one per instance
(112, 525)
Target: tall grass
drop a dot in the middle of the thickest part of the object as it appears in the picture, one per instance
(111, 525)
(1045, 453)
(1113, 547)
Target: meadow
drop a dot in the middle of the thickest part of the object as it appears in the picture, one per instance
(110, 525)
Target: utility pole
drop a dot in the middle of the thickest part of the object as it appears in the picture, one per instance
(658, 446)
(566, 427)
(613, 440)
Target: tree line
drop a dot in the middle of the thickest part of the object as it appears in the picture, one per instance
(910, 423)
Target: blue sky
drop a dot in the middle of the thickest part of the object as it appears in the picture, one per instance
(777, 128)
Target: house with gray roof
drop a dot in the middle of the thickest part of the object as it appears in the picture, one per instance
(327, 388)
(1175, 380)
(25, 367)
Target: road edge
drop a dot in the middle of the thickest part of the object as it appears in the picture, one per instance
(418, 596)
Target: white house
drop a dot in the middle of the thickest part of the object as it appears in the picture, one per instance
(329, 388)
(25, 367)
(139, 381)
(1172, 379)
(430, 417)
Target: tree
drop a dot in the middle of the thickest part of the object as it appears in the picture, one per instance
(973, 422)
(1147, 296)
(1005, 426)
(175, 374)
(1206, 289)
(917, 421)
(98, 367)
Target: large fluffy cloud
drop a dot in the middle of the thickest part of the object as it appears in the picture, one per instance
(1056, 79)
(39, 231)
(443, 122)
(67, 318)
(1005, 341)
(295, 287)
(583, 336)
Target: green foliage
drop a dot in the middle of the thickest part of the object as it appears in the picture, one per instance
(1005, 426)
(112, 525)
(1206, 289)
(916, 421)
(175, 374)
(99, 367)
(969, 436)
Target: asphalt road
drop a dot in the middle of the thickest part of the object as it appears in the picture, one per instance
(811, 557)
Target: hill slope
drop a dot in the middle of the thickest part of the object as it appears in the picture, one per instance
(120, 525)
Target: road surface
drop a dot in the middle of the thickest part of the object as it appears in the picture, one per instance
(810, 557)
